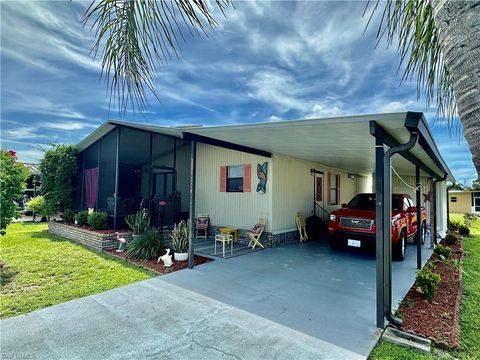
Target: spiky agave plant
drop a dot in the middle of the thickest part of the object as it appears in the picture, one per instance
(139, 221)
(180, 235)
(148, 247)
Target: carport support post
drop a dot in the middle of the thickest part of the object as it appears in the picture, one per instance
(379, 152)
(387, 226)
(193, 165)
(419, 216)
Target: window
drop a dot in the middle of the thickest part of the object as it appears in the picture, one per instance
(235, 178)
(334, 189)
(453, 199)
(319, 189)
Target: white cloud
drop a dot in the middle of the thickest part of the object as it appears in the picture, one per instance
(274, 118)
(21, 133)
(397, 106)
(75, 125)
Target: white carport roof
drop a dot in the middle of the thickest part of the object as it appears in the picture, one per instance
(344, 142)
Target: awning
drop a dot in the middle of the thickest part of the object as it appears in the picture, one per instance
(343, 142)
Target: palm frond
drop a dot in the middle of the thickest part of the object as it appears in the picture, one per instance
(134, 37)
(411, 23)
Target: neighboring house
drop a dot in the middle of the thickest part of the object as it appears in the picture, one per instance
(464, 201)
(33, 180)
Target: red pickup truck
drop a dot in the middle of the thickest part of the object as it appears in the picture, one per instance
(354, 224)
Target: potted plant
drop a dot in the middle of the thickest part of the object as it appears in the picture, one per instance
(179, 235)
(138, 222)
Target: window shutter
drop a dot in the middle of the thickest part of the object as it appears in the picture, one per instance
(223, 179)
(247, 177)
(338, 189)
(329, 189)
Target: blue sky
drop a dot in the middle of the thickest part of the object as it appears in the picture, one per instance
(264, 62)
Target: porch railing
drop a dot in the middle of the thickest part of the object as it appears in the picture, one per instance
(321, 212)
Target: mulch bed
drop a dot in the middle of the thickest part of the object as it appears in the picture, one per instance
(439, 319)
(158, 267)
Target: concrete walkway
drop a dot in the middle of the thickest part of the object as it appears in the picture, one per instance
(299, 301)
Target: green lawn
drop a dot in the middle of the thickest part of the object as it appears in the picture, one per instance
(43, 269)
(470, 314)
(474, 230)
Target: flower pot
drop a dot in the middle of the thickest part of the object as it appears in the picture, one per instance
(137, 237)
(181, 256)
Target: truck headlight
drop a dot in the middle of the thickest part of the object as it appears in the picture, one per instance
(333, 217)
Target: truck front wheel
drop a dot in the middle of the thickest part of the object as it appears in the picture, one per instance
(399, 248)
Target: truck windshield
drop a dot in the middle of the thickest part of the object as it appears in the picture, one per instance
(367, 202)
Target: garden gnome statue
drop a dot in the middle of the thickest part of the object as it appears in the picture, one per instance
(122, 241)
(167, 259)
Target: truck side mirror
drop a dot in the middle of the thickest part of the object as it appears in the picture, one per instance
(344, 206)
(412, 209)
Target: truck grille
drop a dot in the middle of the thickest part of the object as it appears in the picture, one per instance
(354, 223)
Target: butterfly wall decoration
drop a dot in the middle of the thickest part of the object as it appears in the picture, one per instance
(262, 177)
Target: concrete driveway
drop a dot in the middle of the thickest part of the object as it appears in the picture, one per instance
(299, 301)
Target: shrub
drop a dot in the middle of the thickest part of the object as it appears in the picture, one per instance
(428, 282)
(69, 216)
(12, 183)
(148, 247)
(453, 225)
(179, 236)
(469, 219)
(442, 250)
(98, 220)
(464, 230)
(39, 205)
(57, 169)
(81, 218)
(450, 239)
(138, 222)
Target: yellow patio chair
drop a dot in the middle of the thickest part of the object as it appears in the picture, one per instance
(300, 221)
(256, 233)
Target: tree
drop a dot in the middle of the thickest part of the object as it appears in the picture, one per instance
(137, 36)
(57, 169)
(475, 185)
(458, 186)
(12, 183)
(40, 206)
(440, 42)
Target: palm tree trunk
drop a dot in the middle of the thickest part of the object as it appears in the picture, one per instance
(458, 26)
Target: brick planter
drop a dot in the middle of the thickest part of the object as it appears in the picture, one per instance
(92, 239)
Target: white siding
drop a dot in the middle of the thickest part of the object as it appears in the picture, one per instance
(241, 210)
(293, 189)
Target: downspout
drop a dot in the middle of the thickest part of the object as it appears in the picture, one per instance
(434, 233)
(387, 225)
